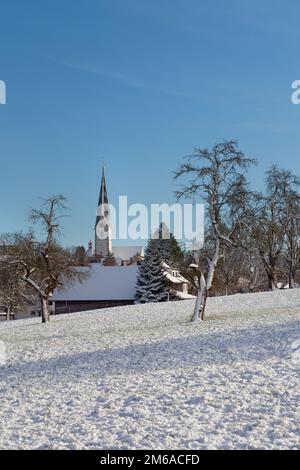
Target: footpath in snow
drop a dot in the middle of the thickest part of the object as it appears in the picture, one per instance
(144, 377)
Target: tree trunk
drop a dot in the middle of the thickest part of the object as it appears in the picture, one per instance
(205, 285)
(204, 305)
(45, 310)
(291, 281)
(271, 282)
(8, 314)
(198, 310)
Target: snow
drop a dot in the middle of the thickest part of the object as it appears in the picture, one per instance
(142, 376)
(183, 295)
(103, 283)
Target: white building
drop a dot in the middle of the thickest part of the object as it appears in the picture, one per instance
(106, 286)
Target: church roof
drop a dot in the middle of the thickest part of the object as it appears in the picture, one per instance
(103, 198)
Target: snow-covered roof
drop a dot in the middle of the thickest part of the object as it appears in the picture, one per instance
(104, 283)
(179, 279)
(169, 274)
(165, 265)
(127, 252)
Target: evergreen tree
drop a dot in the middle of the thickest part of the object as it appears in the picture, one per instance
(151, 284)
(109, 260)
(79, 255)
(168, 246)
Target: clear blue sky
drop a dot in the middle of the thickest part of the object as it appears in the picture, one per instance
(138, 83)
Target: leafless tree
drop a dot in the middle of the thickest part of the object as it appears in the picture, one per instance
(239, 270)
(230, 273)
(217, 176)
(273, 223)
(14, 295)
(291, 250)
(44, 265)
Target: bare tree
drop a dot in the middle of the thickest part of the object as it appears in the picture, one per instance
(44, 265)
(255, 269)
(218, 177)
(230, 272)
(241, 267)
(273, 223)
(14, 295)
(291, 250)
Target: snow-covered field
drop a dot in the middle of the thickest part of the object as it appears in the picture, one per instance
(144, 377)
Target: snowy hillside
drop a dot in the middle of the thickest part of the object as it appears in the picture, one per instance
(144, 377)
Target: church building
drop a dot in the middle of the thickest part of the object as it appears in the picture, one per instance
(124, 255)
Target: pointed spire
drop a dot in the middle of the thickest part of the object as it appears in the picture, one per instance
(103, 245)
(103, 197)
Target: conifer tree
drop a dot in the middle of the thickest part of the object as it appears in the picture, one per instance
(168, 246)
(109, 260)
(79, 254)
(151, 284)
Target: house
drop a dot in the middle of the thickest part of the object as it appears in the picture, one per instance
(106, 286)
(178, 284)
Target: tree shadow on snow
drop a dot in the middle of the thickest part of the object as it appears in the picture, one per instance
(258, 344)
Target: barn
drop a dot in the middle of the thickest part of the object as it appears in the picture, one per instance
(106, 286)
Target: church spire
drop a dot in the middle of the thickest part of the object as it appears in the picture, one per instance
(103, 198)
(103, 243)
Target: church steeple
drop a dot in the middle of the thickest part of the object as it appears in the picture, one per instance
(103, 243)
(103, 198)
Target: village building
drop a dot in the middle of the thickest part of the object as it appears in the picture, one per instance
(179, 285)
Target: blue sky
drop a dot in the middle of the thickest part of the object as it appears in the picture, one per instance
(138, 84)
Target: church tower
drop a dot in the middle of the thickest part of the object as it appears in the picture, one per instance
(103, 242)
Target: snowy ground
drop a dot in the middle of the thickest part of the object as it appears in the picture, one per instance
(144, 377)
